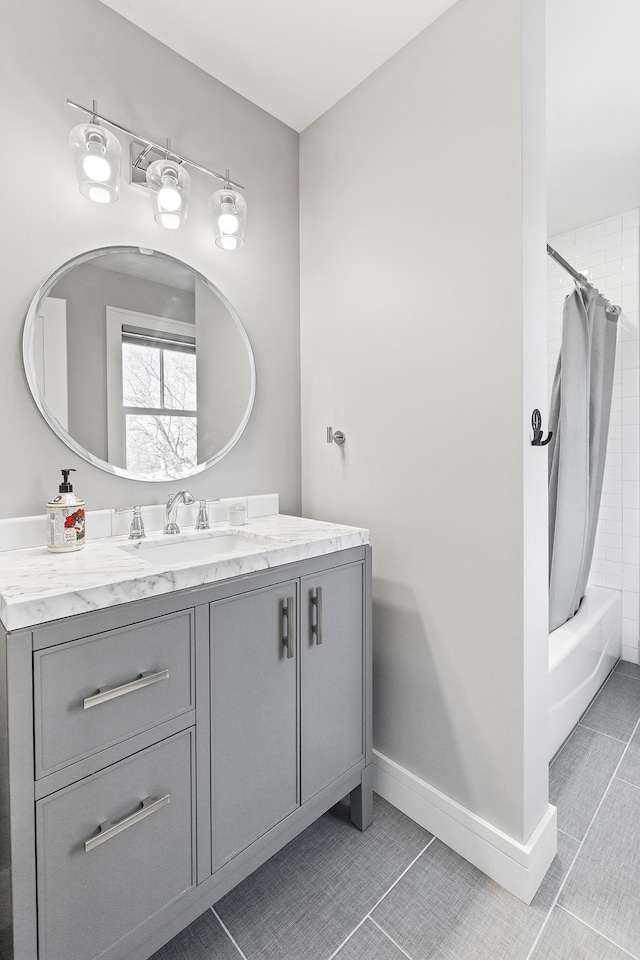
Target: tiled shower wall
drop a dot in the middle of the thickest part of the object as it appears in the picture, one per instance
(608, 253)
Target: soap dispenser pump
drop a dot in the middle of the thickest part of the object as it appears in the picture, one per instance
(65, 518)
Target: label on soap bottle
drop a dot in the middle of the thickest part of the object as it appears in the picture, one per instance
(65, 525)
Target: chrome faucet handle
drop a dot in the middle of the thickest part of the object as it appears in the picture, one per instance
(136, 530)
(202, 520)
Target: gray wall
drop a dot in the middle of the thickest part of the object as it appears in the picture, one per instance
(422, 326)
(82, 50)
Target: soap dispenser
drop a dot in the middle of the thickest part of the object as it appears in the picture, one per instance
(65, 518)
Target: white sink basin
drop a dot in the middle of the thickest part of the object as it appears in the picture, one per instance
(203, 549)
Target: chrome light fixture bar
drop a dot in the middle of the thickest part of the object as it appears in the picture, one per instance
(152, 144)
(97, 155)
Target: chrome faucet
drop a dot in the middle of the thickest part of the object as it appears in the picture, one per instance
(171, 510)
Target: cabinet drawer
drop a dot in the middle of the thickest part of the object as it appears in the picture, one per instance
(90, 894)
(97, 691)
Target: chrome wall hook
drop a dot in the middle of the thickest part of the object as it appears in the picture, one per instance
(337, 437)
(536, 423)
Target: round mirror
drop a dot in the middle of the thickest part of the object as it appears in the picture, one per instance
(139, 363)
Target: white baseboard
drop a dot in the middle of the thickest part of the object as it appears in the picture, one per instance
(517, 867)
(5, 896)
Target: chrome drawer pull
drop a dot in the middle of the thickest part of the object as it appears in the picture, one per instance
(288, 635)
(107, 830)
(316, 628)
(110, 693)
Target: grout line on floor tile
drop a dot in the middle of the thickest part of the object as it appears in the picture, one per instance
(389, 937)
(599, 932)
(378, 902)
(228, 933)
(582, 842)
(629, 783)
(550, 911)
(593, 730)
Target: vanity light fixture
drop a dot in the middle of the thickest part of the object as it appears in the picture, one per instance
(169, 185)
(97, 154)
(229, 211)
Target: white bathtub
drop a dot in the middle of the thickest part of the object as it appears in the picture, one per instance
(582, 652)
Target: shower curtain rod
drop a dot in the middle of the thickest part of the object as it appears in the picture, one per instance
(578, 277)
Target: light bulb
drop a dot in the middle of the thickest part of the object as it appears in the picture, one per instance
(96, 167)
(169, 197)
(228, 222)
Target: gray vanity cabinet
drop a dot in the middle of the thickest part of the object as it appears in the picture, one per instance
(154, 753)
(254, 709)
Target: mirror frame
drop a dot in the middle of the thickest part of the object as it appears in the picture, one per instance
(56, 426)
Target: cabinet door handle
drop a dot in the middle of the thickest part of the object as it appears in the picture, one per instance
(110, 693)
(316, 625)
(107, 830)
(288, 627)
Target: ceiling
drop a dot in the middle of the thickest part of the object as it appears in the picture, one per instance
(293, 58)
(296, 58)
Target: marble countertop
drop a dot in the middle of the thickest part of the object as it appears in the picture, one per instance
(37, 586)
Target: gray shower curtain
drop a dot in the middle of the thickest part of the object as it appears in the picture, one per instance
(579, 418)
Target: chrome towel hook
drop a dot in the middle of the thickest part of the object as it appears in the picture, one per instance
(336, 436)
(536, 423)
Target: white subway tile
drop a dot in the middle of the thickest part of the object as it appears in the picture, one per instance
(607, 242)
(631, 521)
(629, 382)
(630, 297)
(630, 549)
(614, 583)
(631, 241)
(631, 577)
(614, 555)
(630, 605)
(614, 224)
(564, 240)
(630, 270)
(630, 495)
(630, 634)
(631, 218)
(631, 466)
(598, 579)
(630, 411)
(630, 439)
(591, 232)
(615, 529)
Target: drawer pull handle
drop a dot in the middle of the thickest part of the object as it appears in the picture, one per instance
(110, 693)
(316, 627)
(107, 830)
(288, 635)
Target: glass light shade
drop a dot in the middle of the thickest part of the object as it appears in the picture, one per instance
(169, 185)
(97, 156)
(229, 211)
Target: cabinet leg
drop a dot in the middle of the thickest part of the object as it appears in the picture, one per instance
(362, 800)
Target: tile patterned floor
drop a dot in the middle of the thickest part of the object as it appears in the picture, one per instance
(395, 892)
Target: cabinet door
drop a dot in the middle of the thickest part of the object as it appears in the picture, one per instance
(255, 745)
(332, 652)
